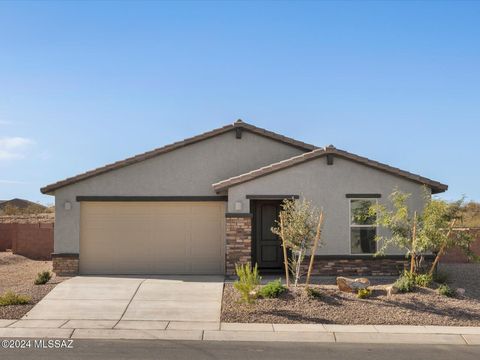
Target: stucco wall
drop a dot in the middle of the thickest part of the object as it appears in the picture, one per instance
(190, 170)
(326, 186)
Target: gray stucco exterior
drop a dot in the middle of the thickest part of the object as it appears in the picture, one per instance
(232, 164)
(187, 171)
(326, 186)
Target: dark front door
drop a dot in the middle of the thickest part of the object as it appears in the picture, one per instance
(267, 246)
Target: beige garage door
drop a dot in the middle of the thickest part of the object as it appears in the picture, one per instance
(152, 238)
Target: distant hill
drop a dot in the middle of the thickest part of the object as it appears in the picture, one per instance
(20, 206)
(471, 214)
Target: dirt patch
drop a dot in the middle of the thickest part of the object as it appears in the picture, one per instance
(17, 274)
(28, 218)
(423, 307)
(464, 276)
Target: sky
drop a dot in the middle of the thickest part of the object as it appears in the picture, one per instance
(83, 84)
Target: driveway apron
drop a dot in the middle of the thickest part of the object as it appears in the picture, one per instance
(165, 298)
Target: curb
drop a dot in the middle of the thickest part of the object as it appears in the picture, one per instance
(253, 332)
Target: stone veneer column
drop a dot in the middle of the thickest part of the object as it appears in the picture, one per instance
(65, 264)
(238, 241)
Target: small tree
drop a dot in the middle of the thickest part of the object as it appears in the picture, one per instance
(430, 231)
(297, 228)
(438, 233)
(401, 223)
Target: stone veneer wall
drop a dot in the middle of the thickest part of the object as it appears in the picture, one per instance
(238, 248)
(360, 266)
(65, 264)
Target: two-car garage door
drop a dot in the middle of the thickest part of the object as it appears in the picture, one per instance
(152, 238)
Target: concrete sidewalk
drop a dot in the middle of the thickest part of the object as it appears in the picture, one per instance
(215, 331)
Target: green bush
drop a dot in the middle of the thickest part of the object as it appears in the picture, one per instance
(446, 290)
(423, 280)
(248, 280)
(406, 282)
(440, 277)
(272, 290)
(364, 293)
(314, 293)
(43, 277)
(10, 298)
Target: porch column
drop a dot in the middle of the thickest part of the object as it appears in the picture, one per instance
(238, 249)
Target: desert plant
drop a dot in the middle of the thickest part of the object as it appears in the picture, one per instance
(401, 223)
(438, 231)
(364, 293)
(272, 290)
(446, 290)
(10, 298)
(406, 282)
(248, 280)
(423, 280)
(43, 277)
(430, 231)
(297, 227)
(314, 293)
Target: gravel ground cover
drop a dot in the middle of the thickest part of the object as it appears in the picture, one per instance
(423, 307)
(17, 274)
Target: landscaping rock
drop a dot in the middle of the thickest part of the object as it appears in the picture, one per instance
(460, 291)
(391, 289)
(352, 285)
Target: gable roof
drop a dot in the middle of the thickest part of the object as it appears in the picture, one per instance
(239, 124)
(436, 186)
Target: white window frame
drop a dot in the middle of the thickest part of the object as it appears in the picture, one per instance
(373, 200)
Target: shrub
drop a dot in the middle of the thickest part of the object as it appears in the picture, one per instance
(406, 282)
(364, 293)
(440, 277)
(314, 293)
(248, 280)
(43, 277)
(10, 298)
(446, 290)
(273, 289)
(423, 279)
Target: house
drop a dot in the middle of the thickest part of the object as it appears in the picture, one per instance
(203, 204)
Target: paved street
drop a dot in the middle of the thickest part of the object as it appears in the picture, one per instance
(144, 349)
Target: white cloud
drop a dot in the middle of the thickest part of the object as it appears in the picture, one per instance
(14, 147)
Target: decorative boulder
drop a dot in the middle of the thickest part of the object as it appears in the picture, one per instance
(460, 291)
(352, 285)
(391, 289)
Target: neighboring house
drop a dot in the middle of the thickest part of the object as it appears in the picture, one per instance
(201, 205)
(21, 204)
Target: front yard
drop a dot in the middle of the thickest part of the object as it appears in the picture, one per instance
(17, 274)
(422, 307)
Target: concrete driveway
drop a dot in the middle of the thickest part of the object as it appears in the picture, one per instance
(166, 298)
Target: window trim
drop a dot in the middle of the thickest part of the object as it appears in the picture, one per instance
(350, 225)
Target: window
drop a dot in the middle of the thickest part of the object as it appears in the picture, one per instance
(362, 227)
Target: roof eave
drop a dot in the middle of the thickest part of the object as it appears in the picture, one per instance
(435, 186)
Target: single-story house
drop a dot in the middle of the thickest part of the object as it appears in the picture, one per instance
(203, 204)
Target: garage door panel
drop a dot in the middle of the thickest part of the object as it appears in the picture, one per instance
(152, 238)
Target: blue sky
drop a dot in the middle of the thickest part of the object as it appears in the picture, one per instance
(83, 84)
